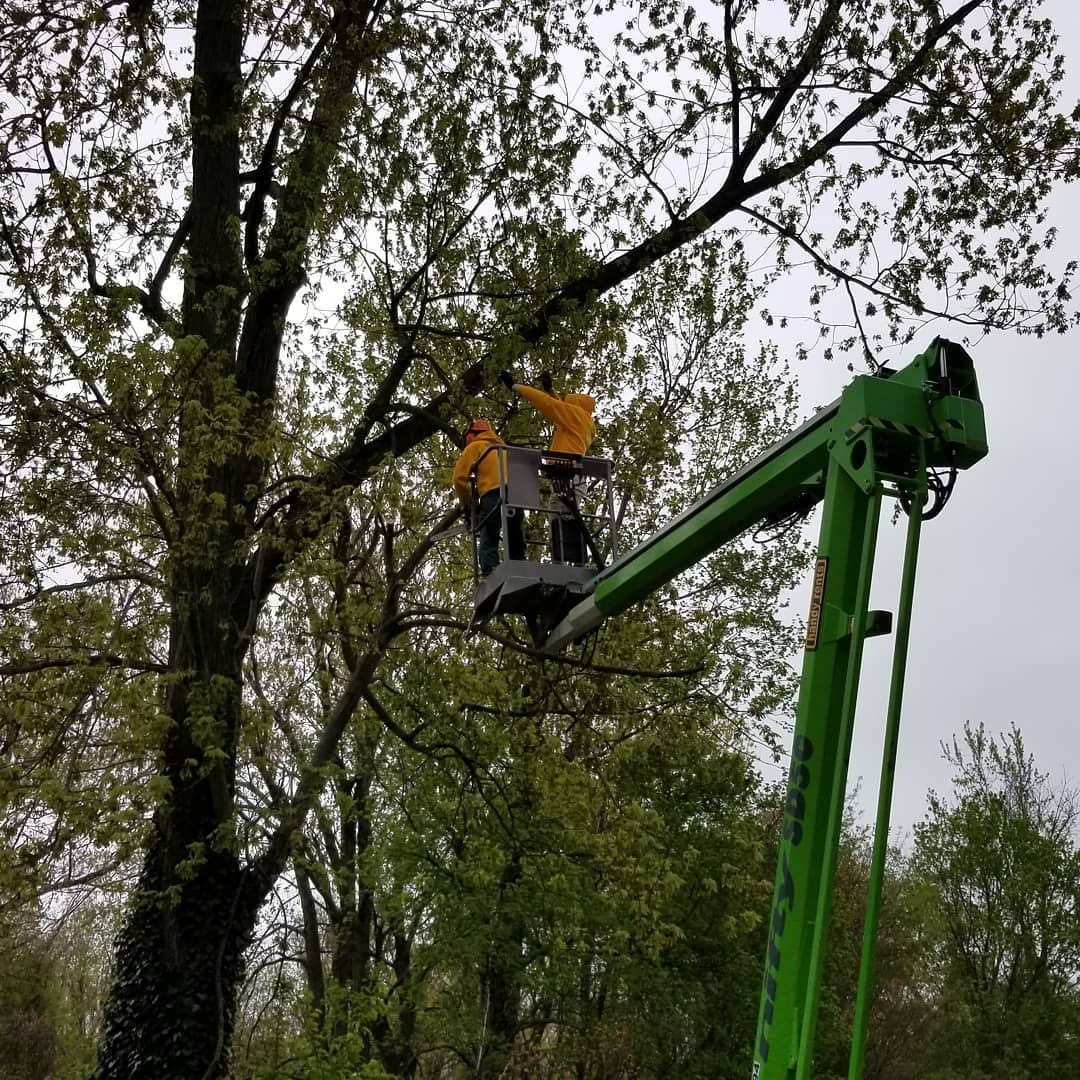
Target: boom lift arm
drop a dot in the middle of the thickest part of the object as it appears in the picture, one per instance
(879, 438)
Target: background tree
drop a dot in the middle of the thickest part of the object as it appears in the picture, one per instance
(256, 255)
(1002, 860)
(53, 981)
(28, 1022)
(977, 962)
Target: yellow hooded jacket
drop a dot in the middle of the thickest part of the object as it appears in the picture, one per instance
(571, 415)
(487, 472)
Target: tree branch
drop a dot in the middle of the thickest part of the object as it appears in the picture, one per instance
(864, 110)
(108, 660)
(282, 269)
(149, 304)
(176, 244)
(263, 175)
(85, 583)
(785, 91)
(358, 457)
(847, 278)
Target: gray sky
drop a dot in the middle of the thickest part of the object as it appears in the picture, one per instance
(996, 627)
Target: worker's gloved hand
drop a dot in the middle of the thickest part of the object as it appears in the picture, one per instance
(546, 383)
(507, 379)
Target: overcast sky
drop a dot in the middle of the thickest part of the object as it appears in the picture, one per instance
(996, 628)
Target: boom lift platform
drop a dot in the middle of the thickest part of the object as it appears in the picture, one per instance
(886, 435)
(574, 496)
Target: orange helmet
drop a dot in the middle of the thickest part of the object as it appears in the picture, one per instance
(475, 427)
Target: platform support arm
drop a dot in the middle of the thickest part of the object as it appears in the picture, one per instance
(878, 860)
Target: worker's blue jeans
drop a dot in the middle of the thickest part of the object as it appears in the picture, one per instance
(489, 529)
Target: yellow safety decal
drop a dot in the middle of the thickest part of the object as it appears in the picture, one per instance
(817, 595)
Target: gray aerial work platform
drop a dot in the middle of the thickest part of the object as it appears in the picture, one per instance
(560, 497)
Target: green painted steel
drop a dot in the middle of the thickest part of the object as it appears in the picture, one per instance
(817, 777)
(879, 438)
(779, 478)
(933, 401)
(863, 999)
(850, 662)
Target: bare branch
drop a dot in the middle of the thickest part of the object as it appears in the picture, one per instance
(75, 586)
(849, 278)
(91, 660)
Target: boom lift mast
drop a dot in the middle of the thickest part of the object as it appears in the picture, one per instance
(883, 436)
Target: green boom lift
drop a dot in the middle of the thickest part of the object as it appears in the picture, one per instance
(888, 434)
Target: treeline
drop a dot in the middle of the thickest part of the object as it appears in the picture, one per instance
(610, 928)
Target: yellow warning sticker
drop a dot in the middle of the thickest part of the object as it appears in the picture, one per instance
(817, 595)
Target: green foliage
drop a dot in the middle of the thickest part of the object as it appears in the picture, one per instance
(258, 261)
(905, 952)
(28, 1039)
(52, 984)
(289, 1044)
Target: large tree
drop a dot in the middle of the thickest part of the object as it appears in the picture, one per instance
(256, 255)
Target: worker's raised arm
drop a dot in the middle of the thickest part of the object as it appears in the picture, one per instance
(572, 417)
(552, 408)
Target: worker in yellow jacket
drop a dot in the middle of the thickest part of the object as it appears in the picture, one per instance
(574, 431)
(572, 414)
(476, 458)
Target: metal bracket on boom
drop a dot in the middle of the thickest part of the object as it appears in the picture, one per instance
(833, 624)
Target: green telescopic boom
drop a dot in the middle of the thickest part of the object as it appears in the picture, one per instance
(882, 437)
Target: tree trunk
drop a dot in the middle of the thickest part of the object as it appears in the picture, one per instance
(179, 965)
(180, 953)
(179, 960)
(395, 1041)
(358, 934)
(500, 985)
(313, 961)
